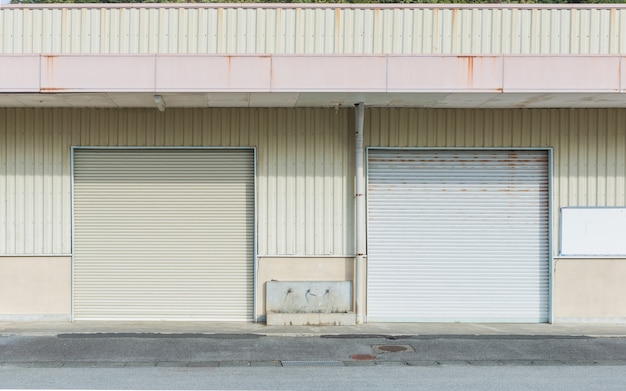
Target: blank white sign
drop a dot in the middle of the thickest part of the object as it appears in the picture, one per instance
(593, 231)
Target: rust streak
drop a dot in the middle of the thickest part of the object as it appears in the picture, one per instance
(230, 60)
(435, 35)
(220, 27)
(455, 17)
(468, 63)
(470, 71)
(52, 89)
(337, 30)
(50, 60)
(376, 18)
(612, 26)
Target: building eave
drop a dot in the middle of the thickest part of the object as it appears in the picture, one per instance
(131, 80)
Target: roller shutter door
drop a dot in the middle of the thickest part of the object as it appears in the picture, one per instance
(458, 235)
(164, 234)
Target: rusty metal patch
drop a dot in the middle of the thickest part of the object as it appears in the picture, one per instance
(363, 357)
(392, 348)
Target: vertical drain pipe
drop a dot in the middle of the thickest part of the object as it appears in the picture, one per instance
(360, 213)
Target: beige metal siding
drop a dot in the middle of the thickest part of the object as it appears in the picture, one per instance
(251, 29)
(304, 170)
(34, 184)
(164, 234)
(305, 161)
(589, 145)
(305, 183)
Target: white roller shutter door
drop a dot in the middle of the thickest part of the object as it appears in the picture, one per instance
(164, 234)
(458, 235)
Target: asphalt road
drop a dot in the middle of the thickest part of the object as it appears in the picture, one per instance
(232, 350)
(323, 362)
(444, 377)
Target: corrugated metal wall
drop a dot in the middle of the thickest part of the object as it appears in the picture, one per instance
(589, 144)
(304, 170)
(305, 161)
(249, 29)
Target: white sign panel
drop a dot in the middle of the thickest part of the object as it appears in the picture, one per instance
(593, 231)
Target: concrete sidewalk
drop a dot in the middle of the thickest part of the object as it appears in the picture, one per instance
(50, 328)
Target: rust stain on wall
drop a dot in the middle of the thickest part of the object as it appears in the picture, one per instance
(229, 58)
(376, 19)
(52, 89)
(468, 64)
(50, 61)
(435, 33)
(337, 29)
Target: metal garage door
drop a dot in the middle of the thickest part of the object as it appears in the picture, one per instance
(163, 234)
(458, 235)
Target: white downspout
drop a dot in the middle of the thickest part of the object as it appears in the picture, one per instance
(360, 237)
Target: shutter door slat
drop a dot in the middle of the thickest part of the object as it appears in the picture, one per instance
(458, 235)
(164, 234)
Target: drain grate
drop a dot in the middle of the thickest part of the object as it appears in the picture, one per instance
(392, 348)
(312, 363)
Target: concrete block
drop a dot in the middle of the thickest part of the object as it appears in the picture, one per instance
(308, 297)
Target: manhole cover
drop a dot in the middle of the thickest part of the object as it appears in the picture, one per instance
(392, 348)
(363, 357)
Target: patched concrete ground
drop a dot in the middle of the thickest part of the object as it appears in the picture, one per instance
(113, 345)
